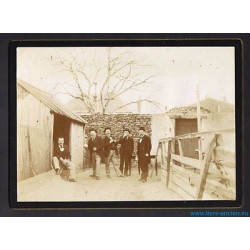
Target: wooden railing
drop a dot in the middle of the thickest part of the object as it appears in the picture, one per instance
(189, 176)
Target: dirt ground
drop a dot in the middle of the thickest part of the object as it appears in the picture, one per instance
(49, 187)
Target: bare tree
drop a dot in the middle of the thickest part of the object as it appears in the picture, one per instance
(98, 85)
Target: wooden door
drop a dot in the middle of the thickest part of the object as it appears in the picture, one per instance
(190, 146)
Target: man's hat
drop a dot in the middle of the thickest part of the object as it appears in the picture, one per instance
(126, 129)
(142, 128)
(107, 129)
(92, 129)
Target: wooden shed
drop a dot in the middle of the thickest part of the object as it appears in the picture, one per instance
(40, 121)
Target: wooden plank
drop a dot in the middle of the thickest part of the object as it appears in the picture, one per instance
(164, 151)
(186, 160)
(208, 196)
(180, 150)
(205, 168)
(177, 189)
(76, 145)
(221, 189)
(163, 176)
(184, 184)
(198, 108)
(197, 134)
(189, 174)
(200, 148)
(168, 163)
(162, 154)
(51, 140)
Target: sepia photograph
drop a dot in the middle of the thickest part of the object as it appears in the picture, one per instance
(126, 123)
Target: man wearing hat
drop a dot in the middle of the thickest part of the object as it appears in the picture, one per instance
(95, 146)
(143, 152)
(110, 153)
(126, 151)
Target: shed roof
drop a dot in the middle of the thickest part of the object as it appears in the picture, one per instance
(188, 112)
(208, 105)
(213, 105)
(48, 100)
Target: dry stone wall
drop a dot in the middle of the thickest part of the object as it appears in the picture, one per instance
(117, 122)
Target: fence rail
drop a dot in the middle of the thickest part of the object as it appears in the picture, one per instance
(191, 177)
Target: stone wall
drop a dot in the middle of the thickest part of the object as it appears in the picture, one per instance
(117, 122)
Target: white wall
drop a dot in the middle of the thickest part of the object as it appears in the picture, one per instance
(220, 121)
(162, 127)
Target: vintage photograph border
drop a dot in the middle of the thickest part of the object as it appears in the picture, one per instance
(237, 43)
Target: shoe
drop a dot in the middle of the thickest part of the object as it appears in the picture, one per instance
(140, 179)
(98, 178)
(72, 180)
(57, 171)
(121, 175)
(144, 181)
(92, 175)
(108, 176)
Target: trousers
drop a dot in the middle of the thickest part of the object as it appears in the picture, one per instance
(69, 165)
(96, 164)
(112, 157)
(125, 159)
(143, 165)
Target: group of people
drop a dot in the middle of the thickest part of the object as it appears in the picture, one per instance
(107, 147)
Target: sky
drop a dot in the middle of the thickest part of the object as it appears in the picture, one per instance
(176, 72)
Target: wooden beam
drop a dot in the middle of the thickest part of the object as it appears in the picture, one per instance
(200, 147)
(181, 151)
(168, 163)
(197, 134)
(205, 168)
(185, 172)
(186, 160)
(51, 140)
(198, 108)
(164, 151)
(162, 154)
(220, 189)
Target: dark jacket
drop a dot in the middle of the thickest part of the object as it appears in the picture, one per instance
(64, 154)
(98, 144)
(144, 147)
(109, 146)
(127, 146)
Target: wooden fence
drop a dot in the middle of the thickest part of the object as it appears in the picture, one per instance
(210, 176)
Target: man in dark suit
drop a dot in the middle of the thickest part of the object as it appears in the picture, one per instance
(62, 158)
(143, 152)
(110, 153)
(95, 146)
(126, 151)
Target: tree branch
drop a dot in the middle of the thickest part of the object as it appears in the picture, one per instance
(158, 105)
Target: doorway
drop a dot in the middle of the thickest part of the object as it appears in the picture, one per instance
(189, 146)
(61, 129)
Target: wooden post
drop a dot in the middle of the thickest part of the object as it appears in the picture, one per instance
(52, 140)
(154, 168)
(181, 151)
(156, 163)
(204, 171)
(164, 151)
(198, 108)
(199, 123)
(162, 154)
(168, 163)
